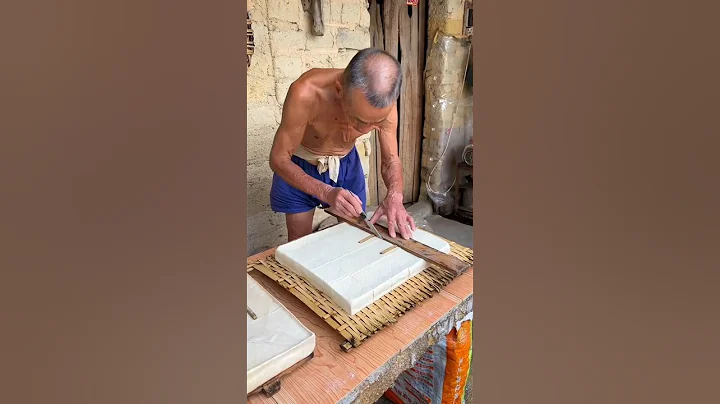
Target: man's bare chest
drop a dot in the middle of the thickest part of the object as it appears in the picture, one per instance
(330, 136)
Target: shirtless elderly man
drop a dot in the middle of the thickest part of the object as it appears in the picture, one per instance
(313, 155)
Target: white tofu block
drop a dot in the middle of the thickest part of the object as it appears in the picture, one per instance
(420, 236)
(276, 340)
(354, 274)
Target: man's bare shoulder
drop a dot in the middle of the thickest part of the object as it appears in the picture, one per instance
(310, 84)
(300, 92)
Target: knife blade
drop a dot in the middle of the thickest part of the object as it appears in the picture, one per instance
(363, 215)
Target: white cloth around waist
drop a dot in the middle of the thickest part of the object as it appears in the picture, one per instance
(323, 163)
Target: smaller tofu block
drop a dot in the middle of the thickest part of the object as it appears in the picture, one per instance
(276, 340)
(354, 274)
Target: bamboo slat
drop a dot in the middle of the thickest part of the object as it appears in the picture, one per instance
(384, 311)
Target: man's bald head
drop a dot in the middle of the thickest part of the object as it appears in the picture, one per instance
(377, 74)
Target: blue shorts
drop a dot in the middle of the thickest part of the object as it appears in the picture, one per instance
(284, 198)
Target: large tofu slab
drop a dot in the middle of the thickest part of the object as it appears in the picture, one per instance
(354, 274)
(276, 340)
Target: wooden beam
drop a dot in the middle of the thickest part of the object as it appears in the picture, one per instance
(412, 57)
(399, 30)
(378, 190)
(420, 69)
(379, 181)
(446, 261)
(422, 46)
(372, 192)
(391, 39)
(377, 34)
(391, 26)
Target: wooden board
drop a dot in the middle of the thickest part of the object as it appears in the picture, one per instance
(333, 374)
(412, 64)
(376, 26)
(390, 24)
(422, 41)
(372, 192)
(445, 261)
(380, 181)
(399, 29)
(391, 32)
(378, 190)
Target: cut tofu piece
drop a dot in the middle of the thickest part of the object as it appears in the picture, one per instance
(276, 340)
(354, 274)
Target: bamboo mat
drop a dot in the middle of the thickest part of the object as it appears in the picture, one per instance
(384, 311)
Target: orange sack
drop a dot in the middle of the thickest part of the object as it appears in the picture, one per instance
(440, 375)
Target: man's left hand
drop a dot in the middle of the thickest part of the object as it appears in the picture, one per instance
(397, 217)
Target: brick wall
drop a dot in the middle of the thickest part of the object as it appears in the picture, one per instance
(284, 49)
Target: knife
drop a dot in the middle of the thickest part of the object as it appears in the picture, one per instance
(363, 215)
(251, 313)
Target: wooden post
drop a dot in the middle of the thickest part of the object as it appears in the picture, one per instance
(377, 33)
(372, 192)
(412, 61)
(399, 29)
(391, 37)
(376, 25)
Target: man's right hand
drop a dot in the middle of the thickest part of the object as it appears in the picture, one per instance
(344, 202)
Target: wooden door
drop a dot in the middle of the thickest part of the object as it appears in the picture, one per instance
(400, 30)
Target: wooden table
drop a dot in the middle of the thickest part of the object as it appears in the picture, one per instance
(366, 372)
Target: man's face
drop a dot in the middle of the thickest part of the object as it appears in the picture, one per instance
(362, 116)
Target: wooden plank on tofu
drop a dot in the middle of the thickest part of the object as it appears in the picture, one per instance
(429, 254)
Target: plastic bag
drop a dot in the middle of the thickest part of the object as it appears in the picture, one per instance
(440, 375)
(448, 119)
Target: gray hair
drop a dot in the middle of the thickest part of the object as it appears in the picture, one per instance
(377, 74)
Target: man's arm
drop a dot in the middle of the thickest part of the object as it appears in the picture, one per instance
(297, 112)
(391, 171)
(390, 167)
(295, 118)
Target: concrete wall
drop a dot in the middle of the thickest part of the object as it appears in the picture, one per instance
(284, 49)
(446, 16)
